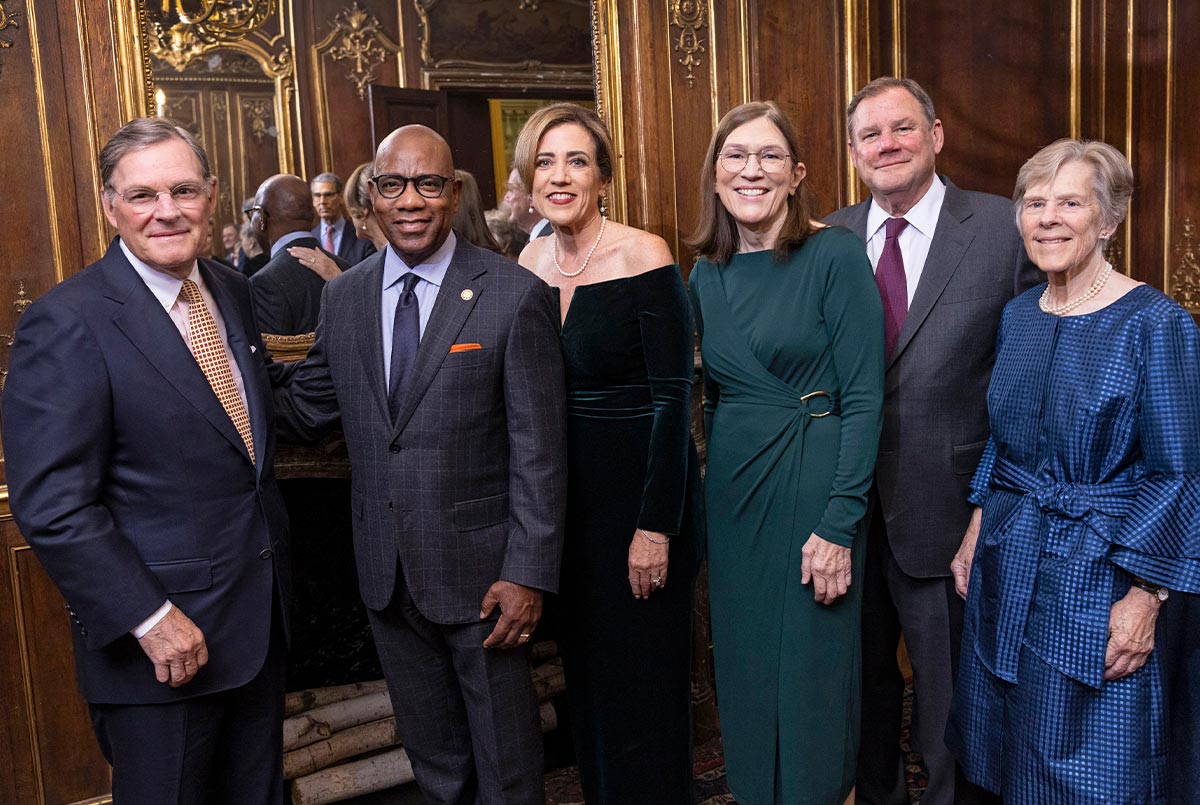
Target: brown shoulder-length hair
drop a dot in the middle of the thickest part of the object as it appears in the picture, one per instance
(558, 114)
(716, 235)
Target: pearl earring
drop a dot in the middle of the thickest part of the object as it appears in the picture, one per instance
(531, 208)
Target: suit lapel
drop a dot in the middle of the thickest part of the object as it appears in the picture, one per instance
(449, 314)
(370, 336)
(858, 219)
(144, 322)
(950, 242)
(238, 330)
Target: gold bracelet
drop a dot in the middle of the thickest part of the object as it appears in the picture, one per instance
(665, 540)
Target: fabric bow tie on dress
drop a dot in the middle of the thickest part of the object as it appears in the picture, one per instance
(893, 287)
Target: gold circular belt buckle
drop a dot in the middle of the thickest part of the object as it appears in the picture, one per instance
(812, 394)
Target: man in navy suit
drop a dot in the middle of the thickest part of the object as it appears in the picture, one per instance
(333, 231)
(961, 259)
(139, 447)
(442, 362)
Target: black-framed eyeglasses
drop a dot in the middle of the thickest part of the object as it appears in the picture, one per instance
(393, 185)
(186, 195)
(769, 160)
(252, 209)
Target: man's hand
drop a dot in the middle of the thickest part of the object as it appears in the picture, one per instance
(176, 647)
(828, 565)
(960, 565)
(1130, 633)
(520, 610)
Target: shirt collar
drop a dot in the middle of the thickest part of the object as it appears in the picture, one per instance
(164, 287)
(283, 241)
(923, 216)
(433, 270)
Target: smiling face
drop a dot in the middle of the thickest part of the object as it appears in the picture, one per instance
(894, 148)
(1061, 221)
(566, 179)
(168, 237)
(414, 225)
(757, 199)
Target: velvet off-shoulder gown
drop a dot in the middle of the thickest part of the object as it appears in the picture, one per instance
(628, 352)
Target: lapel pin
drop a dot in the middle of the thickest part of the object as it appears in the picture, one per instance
(466, 294)
(253, 349)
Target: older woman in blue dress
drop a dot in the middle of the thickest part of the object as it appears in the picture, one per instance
(1090, 508)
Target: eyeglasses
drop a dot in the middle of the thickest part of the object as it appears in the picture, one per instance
(393, 185)
(187, 195)
(252, 209)
(768, 161)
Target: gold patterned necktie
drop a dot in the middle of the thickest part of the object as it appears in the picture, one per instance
(210, 354)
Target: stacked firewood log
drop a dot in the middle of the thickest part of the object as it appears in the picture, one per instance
(341, 742)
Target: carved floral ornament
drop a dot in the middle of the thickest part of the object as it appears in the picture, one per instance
(6, 339)
(1185, 278)
(358, 39)
(8, 19)
(689, 16)
(185, 29)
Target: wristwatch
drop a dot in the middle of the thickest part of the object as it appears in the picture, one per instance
(1159, 592)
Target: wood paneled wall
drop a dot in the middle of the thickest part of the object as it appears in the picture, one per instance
(1007, 78)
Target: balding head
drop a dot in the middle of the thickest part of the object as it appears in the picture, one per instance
(415, 225)
(286, 206)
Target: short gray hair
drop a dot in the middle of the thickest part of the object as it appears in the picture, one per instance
(1112, 175)
(883, 84)
(328, 177)
(144, 132)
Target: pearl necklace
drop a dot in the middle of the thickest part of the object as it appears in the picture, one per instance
(1098, 284)
(586, 260)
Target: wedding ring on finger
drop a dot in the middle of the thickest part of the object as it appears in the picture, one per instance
(524, 636)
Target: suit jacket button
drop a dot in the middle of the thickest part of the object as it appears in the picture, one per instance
(395, 448)
(83, 630)
(265, 553)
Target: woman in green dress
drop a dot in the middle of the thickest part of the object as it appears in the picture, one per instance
(791, 329)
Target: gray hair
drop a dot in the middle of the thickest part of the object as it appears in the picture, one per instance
(1112, 175)
(883, 84)
(328, 177)
(144, 132)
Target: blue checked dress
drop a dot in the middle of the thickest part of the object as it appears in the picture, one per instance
(1092, 472)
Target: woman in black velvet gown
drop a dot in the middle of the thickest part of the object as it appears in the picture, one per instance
(630, 553)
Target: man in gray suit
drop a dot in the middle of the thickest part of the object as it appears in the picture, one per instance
(442, 361)
(946, 261)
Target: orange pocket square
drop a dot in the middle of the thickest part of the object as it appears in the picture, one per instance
(464, 347)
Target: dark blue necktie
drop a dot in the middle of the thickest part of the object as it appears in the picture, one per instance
(406, 337)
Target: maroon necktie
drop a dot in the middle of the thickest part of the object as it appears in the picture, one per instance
(893, 289)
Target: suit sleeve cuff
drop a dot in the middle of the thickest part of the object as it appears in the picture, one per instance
(145, 626)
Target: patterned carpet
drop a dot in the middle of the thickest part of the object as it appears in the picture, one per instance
(562, 785)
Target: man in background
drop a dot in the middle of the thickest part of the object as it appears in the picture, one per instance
(335, 234)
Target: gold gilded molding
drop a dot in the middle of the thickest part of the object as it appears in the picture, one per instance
(8, 19)
(23, 645)
(219, 22)
(361, 41)
(53, 210)
(606, 53)
(1185, 276)
(5, 509)
(1076, 99)
(689, 16)
(1169, 144)
(6, 339)
(529, 74)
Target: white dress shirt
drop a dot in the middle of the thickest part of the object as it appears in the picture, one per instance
(431, 272)
(914, 239)
(166, 290)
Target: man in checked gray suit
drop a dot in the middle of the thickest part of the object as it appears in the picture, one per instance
(947, 270)
(443, 363)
